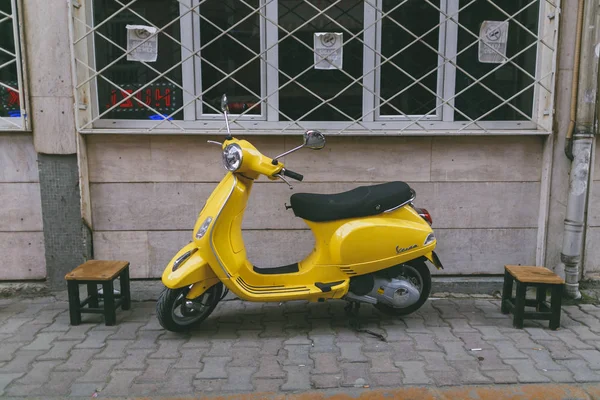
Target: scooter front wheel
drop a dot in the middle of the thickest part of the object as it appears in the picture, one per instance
(178, 314)
(418, 274)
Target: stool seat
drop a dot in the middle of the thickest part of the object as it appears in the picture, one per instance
(93, 273)
(542, 279)
(534, 275)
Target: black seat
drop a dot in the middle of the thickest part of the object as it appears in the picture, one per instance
(360, 202)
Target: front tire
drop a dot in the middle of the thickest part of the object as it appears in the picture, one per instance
(176, 314)
(418, 274)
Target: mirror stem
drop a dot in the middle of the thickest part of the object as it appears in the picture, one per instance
(229, 137)
(289, 151)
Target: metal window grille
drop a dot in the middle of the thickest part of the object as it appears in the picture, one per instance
(13, 110)
(408, 66)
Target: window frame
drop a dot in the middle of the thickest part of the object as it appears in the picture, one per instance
(372, 123)
(21, 123)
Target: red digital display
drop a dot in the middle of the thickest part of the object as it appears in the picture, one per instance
(161, 97)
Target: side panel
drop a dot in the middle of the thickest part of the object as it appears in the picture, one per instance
(194, 269)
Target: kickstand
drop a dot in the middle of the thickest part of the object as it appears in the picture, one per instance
(352, 310)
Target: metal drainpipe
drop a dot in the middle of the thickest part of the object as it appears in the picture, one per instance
(582, 148)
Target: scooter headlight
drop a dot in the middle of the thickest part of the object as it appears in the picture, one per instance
(430, 239)
(232, 157)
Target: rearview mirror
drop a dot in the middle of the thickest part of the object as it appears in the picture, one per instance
(224, 104)
(314, 140)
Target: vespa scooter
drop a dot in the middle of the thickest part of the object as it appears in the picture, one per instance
(371, 245)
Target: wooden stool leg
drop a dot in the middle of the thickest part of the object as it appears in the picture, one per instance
(555, 305)
(92, 291)
(125, 289)
(519, 310)
(506, 292)
(110, 316)
(74, 304)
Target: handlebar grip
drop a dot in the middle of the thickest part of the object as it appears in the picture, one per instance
(293, 175)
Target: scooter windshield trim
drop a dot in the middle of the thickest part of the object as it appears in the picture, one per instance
(212, 247)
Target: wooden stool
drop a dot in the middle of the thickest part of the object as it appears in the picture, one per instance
(542, 279)
(94, 273)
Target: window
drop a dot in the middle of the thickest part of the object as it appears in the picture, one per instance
(12, 107)
(411, 66)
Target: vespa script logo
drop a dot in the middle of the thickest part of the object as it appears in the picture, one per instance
(404, 249)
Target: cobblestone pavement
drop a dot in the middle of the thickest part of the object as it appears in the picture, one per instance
(288, 347)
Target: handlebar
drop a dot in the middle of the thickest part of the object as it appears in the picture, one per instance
(293, 175)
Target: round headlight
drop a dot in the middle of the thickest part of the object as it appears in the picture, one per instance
(232, 157)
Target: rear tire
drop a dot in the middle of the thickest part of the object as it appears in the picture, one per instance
(176, 316)
(418, 273)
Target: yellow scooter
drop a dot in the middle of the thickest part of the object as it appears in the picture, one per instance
(371, 245)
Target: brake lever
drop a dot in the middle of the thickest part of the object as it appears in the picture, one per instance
(285, 180)
(214, 142)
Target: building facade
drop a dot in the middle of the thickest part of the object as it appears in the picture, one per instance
(106, 107)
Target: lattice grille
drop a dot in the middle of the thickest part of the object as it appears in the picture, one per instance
(408, 66)
(12, 106)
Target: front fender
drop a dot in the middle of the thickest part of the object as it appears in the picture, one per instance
(192, 269)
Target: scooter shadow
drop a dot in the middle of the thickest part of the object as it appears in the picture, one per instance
(235, 319)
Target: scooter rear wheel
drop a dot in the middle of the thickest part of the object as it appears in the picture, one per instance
(177, 314)
(418, 273)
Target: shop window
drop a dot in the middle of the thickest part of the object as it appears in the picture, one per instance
(12, 107)
(434, 66)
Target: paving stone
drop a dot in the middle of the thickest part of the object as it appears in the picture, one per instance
(59, 384)
(155, 372)
(127, 330)
(414, 372)
(60, 324)
(374, 345)
(99, 371)
(405, 351)
(39, 373)
(168, 349)
(263, 385)
(20, 390)
(584, 333)
(507, 350)
(323, 344)
(78, 360)
(145, 340)
(460, 325)
(436, 361)
(86, 389)
(208, 385)
(473, 340)
(6, 379)
(94, 340)
(543, 359)
(381, 363)
(445, 378)
(391, 379)
(178, 382)
(571, 340)
(32, 310)
(60, 350)
(325, 363)
(7, 350)
(239, 379)
(152, 325)
(135, 359)
(415, 325)
(326, 381)
(455, 351)
(502, 376)
(298, 378)
(272, 346)
(221, 347)
(425, 342)
(562, 376)
(248, 357)
(355, 374)
(120, 383)
(346, 335)
(76, 332)
(489, 360)
(580, 370)
(214, 368)
(298, 355)
(270, 367)
(522, 340)
(247, 338)
(443, 334)
(298, 339)
(25, 333)
(592, 357)
(469, 372)
(20, 362)
(491, 333)
(527, 373)
(190, 358)
(196, 342)
(114, 349)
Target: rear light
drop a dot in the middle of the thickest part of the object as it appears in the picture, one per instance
(424, 214)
